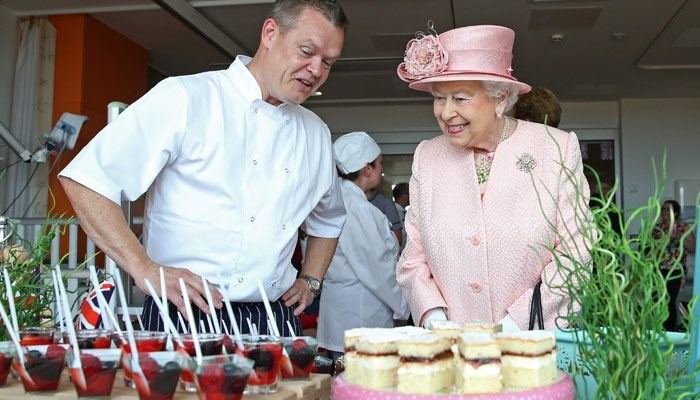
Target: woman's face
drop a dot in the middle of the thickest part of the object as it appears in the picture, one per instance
(465, 113)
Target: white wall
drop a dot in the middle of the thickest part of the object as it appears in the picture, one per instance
(648, 126)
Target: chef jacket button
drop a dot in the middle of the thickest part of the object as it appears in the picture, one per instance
(255, 110)
(274, 284)
(284, 227)
(475, 240)
(286, 122)
(252, 219)
(255, 162)
(286, 170)
(476, 288)
(240, 280)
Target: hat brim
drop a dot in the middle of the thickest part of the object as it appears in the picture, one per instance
(425, 83)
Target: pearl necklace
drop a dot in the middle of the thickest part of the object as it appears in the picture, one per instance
(483, 167)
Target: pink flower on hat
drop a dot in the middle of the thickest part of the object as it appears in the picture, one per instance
(425, 57)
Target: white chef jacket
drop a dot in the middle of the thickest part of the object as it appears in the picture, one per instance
(360, 288)
(230, 178)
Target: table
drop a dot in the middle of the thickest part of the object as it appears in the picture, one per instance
(317, 387)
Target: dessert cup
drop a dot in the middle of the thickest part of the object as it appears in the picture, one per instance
(44, 364)
(37, 335)
(92, 338)
(99, 368)
(146, 341)
(160, 373)
(7, 353)
(301, 350)
(266, 352)
(211, 344)
(221, 377)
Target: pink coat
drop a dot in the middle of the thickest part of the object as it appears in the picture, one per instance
(481, 258)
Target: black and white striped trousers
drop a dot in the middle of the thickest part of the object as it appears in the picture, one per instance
(241, 311)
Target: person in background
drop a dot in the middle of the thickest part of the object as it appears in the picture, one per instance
(480, 213)
(401, 201)
(360, 289)
(538, 105)
(385, 205)
(232, 165)
(676, 252)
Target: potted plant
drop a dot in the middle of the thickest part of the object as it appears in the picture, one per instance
(615, 345)
(31, 279)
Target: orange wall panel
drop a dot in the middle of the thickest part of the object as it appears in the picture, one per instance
(94, 66)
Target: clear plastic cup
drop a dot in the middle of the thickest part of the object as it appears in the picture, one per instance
(92, 338)
(211, 344)
(7, 353)
(222, 377)
(44, 365)
(37, 335)
(302, 351)
(146, 341)
(99, 369)
(266, 352)
(161, 372)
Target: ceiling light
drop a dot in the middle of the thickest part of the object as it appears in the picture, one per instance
(619, 35)
(317, 93)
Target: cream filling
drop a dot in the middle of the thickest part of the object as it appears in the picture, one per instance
(372, 362)
(482, 370)
(529, 362)
(424, 369)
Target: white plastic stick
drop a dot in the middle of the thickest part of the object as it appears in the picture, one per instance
(268, 309)
(291, 330)
(234, 324)
(138, 319)
(163, 291)
(14, 336)
(202, 327)
(135, 366)
(163, 313)
(250, 327)
(72, 337)
(59, 307)
(98, 289)
(10, 299)
(182, 322)
(103, 301)
(212, 311)
(190, 317)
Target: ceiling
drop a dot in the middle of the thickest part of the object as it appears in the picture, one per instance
(602, 50)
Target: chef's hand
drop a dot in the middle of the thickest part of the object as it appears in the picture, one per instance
(193, 283)
(299, 294)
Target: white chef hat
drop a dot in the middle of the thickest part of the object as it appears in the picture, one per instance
(354, 150)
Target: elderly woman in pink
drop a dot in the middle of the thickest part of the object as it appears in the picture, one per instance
(490, 193)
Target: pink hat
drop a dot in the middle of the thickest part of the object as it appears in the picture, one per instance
(471, 53)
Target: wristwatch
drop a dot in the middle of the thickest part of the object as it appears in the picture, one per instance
(314, 284)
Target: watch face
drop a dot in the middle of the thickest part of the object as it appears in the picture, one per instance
(315, 285)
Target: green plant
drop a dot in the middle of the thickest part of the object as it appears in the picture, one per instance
(29, 275)
(618, 294)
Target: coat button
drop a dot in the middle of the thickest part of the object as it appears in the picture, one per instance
(475, 287)
(255, 162)
(252, 219)
(475, 240)
(240, 280)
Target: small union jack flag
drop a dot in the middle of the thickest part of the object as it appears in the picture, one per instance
(90, 317)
